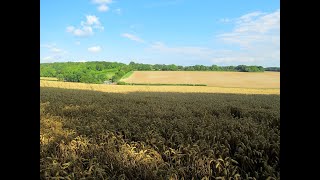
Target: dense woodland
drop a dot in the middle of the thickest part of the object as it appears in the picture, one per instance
(99, 71)
(277, 69)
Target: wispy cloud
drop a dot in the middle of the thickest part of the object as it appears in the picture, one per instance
(49, 59)
(255, 37)
(259, 57)
(118, 11)
(102, 1)
(103, 8)
(103, 4)
(54, 53)
(182, 50)
(258, 36)
(86, 27)
(53, 48)
(132, 37)
(56, 50)
(81, 32)
(254, 29)
(249, 17)
(94, 49)
(184, 55)
(50, 45)
(77, 43)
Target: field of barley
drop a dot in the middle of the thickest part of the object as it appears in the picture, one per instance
(210, 78)
(96, 131)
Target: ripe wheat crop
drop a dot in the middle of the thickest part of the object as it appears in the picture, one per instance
(137, 132)
(210, 78)
(142, 88)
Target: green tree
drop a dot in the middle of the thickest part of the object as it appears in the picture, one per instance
(60, 77)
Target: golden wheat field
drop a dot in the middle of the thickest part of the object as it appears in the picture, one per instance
(49, 78)
(142, 88)
(216, 79)
(96, 131)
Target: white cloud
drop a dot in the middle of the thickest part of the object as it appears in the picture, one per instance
(53, 49)
(77, 43)
(47, 45)
(102, 1)
(132, 37)
(53, 53)
(249, 16)
(70, 28)
(92, 20)
(56, 50)
(259, 57)
(217, 56)
(118, 11)
(258, 36)
(86, 29)
(102, 4)
(255, 40)
(94, 49)
(188, 55)
(255, 28)
(47, 58)
(103, 8)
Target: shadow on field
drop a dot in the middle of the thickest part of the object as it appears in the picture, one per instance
(158, 135)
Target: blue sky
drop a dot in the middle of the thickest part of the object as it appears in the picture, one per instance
(182, 32)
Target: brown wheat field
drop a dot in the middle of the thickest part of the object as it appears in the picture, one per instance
(91, 131)
(214, 79)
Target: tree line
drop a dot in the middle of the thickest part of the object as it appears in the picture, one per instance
(277, 69)
(86, 72)
(100, 71)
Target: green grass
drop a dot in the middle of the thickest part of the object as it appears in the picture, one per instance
(127, 75)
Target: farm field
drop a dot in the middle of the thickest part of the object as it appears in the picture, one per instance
(96, 131)
(49, 78)
(145, 88)
(210, 78)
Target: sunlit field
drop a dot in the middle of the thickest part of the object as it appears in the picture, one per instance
(49, 78)
(141, 88)
(97, 131)
(210, 78)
